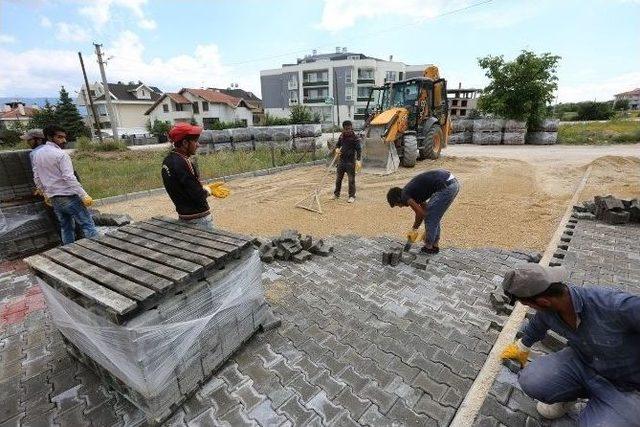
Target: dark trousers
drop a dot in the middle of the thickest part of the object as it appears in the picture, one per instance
(350, 170)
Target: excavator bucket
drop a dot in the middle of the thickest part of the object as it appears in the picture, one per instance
(378, 156)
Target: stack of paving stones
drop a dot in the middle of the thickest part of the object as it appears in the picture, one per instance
(461, 131)
(109, 220)
(487, 131)
(27, 226)
(609, 209)
(594, 254)
(360, 344)
(298, 137)
(291, 246)
(545, 134)
(514, 132)
(154, 274)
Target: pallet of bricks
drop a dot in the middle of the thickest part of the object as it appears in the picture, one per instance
(27, 226)
(290, 137)
(545, 134)
(155, 307)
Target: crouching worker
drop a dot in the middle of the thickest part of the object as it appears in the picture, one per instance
(429, 195)
(601, 362)
(182, 180)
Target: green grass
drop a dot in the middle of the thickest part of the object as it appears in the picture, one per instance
(105, 174)
(611, 132)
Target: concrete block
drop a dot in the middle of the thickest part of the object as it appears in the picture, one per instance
(302, 256)
(420, 262)
(306, 242)
(613, 217)
(386, 258)
(394, 259)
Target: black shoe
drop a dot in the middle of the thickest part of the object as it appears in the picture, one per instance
(427, 250)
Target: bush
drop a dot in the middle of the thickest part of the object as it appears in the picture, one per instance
(594, 111)
(275, 121)
(228, 125)
(84, 144)
(10, 137)
(158, 128)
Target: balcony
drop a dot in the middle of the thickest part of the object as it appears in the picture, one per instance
(307, 83)
(292, 85)
(314, 100)
(366, 80)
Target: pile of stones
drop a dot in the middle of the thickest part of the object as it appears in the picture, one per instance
(291, 246)
(499, 131)
(109, 220)
(397, 255)
(609, 209)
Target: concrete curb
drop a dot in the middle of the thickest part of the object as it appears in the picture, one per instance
(157, 191)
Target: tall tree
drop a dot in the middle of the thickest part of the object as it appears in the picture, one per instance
(519, 89)
(68, 116)
(43, 117)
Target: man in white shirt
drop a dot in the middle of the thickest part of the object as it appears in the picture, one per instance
(53, 175)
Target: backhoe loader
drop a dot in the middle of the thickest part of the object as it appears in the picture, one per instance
(406, 121)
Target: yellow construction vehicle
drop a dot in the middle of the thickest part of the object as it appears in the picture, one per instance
(406, 121)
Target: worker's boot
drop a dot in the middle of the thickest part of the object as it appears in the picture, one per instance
(554, 410)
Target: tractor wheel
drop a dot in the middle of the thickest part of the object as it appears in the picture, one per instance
(433, 141)
(410, 152)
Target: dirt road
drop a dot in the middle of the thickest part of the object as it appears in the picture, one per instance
(511, 197)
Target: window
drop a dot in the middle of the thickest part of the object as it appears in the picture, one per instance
(205, 106)
(454, 103)
(348, 93)
(365, 74)
(463, 112)
(165, 108)
(463, 104)
(390, 76)
(178, 107)
(194, 105)
(353, 57)
(363, 91)
(348, 76)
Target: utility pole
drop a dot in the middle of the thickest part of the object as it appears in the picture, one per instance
(87, 94)
(335, 94)
(107, 95)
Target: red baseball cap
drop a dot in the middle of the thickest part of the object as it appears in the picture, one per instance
(182, 130)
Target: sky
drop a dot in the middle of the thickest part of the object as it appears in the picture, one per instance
(196, 43)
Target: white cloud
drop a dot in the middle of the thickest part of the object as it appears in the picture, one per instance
(5, 38)
(71, 33)
(100, 12)
(597, 89)
(29, 74)
(45, 22)
(340, 14)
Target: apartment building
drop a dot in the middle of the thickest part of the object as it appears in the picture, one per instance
(633, 96)
(462, 101)
(333, 85)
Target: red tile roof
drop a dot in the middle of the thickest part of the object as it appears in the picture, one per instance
(178, 99)
(216, 97)
(630, 93)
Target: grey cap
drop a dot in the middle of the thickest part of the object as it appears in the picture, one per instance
(32, 133)
(531, 279)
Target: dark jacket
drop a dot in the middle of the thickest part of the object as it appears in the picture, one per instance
(182, 181)
(350, 147)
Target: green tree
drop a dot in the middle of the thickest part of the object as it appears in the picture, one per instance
(301, 114)
(594, 111)
(68, 117)
(621, 104)
(158, 127)
(43, 117)
(520, 89)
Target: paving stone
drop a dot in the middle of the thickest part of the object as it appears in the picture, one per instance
(373, 417)
(443, 414)
(328, 384)
(352, 403)
(400, 413)
(265, 415)
(355, 381)
(303, 388)
(434, 389)
(324, 407)
(247, 395)
(383, 400)
(296, 412)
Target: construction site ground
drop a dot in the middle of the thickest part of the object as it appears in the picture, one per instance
(511, 196)
(360, 343)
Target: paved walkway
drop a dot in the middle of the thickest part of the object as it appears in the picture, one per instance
(597, 254)
(360, 343)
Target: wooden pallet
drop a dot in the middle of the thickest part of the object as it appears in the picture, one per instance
(131, 269)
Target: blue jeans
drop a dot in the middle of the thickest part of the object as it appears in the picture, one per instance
(563, 377)
(70, 210)
(204, 222)
(437, 205)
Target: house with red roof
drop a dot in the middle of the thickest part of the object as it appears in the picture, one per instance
(633, 96)
(15, 113)
(205, 107)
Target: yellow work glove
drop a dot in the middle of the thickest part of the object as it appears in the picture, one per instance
(358, 166)
(218, 190)
(47, 201)
(337, 151)
(516, 351)
(37, 192)
(87, 201)
(413, 235)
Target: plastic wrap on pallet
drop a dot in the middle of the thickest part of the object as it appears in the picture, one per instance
(515, 126)
(492, 125)
(487, 138)
(214, 136)
(146, 353)
(308, 131)
(513, 138)
(461, 138)
(240, 134)
(461, 125)
(542, 138)
(21, 220)
(550, 125)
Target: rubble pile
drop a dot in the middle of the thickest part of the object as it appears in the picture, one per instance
(291, 246)
(609, 209)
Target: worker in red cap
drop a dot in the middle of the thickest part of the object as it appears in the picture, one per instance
(182, 180)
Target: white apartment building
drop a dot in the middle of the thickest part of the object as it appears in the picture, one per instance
(334, 85)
